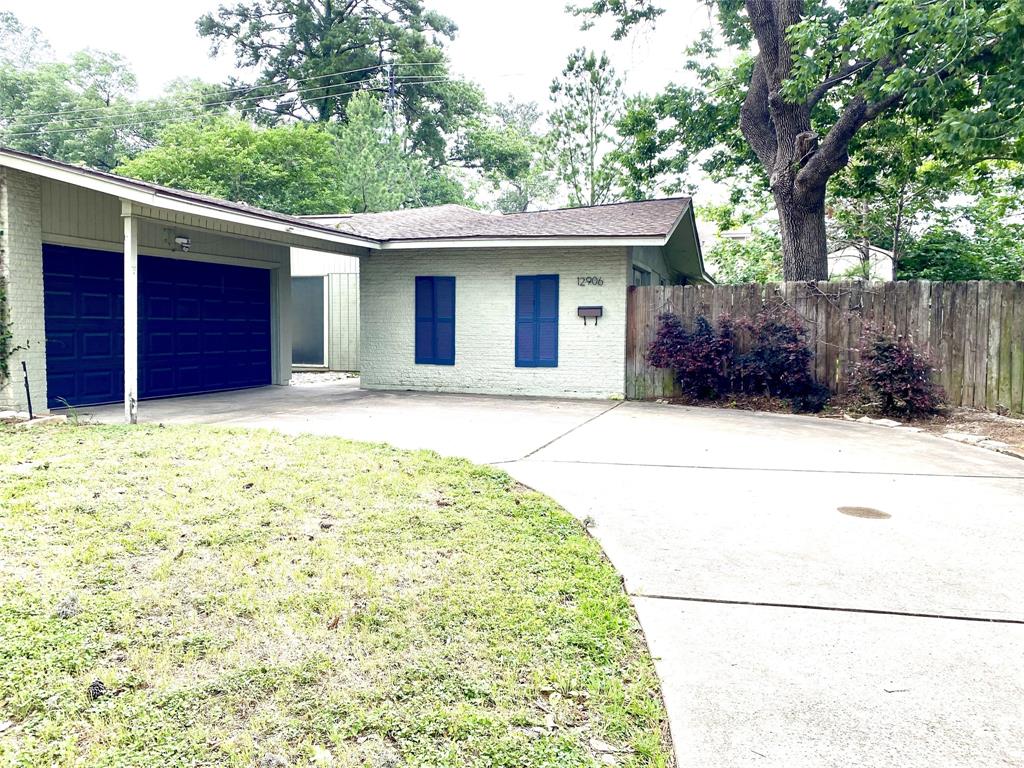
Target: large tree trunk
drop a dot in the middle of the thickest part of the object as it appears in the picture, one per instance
(797, 161)
(802, 228)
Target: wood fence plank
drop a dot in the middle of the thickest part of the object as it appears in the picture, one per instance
(948, 323)
(981, 362)
(849, 300)
(961, 321)
(900, 307)
(995, 324)
(629, 347)
(970, 343)
(1005, 347)
(1017, 351)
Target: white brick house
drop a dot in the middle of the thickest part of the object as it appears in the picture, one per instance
(591, 255)
(119, 290)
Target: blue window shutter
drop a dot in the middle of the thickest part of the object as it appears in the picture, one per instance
(444, 320)
(525, 321)
(435, 321)
(547, 320)
(537, 321)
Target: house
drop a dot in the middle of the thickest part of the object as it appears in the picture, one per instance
(207, 306)
(526, 304)
(451, 299)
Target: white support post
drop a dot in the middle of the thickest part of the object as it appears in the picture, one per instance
(131, 313)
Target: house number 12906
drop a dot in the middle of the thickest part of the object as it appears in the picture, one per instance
(589, 281)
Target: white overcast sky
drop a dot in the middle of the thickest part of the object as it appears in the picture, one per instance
(510, 47)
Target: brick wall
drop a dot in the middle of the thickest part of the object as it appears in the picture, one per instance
(591, 359)
(21, 268)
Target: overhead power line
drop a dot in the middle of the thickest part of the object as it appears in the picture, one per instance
(44, 128)
(251, 88)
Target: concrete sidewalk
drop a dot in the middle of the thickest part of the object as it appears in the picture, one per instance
(786, 632)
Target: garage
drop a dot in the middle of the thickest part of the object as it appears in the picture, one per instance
(203, 326)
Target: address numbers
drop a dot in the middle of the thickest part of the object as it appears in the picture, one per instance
(581, 281)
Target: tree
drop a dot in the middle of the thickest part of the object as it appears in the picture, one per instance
(292, 169)
(982, 239)
(81, 110)
(313, 56)
(374, 173)
(586, 102)
(509, 151)
(825, 70)
(756, 259)
(21, 46)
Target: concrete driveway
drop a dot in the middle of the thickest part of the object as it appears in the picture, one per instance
(786, 632)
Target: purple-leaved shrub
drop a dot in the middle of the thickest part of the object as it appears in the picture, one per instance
(893, 371)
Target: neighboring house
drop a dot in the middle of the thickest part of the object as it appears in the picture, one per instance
(464, 301)
(849, 262)
(325, 311)
(451, 299)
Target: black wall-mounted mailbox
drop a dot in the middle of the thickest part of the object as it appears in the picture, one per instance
(588, 312)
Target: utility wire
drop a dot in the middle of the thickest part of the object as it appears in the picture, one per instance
(250, 88)
(43, 128)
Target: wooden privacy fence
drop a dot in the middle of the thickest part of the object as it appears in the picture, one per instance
(973, 331)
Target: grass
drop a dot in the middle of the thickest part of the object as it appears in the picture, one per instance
(246, 595)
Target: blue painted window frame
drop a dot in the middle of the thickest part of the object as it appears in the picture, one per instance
(541, 316)
(433, 324)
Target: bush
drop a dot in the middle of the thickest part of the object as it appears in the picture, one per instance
(708, 367)
(894, 371)
(700, 360)
(779, 359)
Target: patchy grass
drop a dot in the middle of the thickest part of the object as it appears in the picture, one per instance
(245, 595)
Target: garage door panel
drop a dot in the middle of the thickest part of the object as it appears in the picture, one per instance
(202, 327)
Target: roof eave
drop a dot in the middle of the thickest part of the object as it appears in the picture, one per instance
(521, 242)
(128, 191)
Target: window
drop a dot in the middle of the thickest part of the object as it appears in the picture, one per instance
(435, 320)
(537, 321)
(641, 276)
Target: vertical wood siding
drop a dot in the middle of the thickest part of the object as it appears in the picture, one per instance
(972, 331)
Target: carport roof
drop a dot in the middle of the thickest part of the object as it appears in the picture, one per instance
(155, 195)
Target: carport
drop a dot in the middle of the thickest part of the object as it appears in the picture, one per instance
(120, 290)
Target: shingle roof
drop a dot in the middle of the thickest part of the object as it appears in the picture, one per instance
(649, 218)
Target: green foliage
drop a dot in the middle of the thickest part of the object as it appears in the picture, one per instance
(291, 169)
(506, 146)
(374, 173)
(300, 168)
(81, 110)
(757, 260)
(586, 102)
(345, 46)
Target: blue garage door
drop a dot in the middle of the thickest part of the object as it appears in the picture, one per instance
(202, 327)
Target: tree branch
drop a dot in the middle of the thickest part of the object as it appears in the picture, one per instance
(844, 72)
(755, 121)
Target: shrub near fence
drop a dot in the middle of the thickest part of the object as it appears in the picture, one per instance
(973, 331)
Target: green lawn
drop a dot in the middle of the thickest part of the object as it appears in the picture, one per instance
(246, 595)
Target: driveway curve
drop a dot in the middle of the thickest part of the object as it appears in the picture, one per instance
(815, 592)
